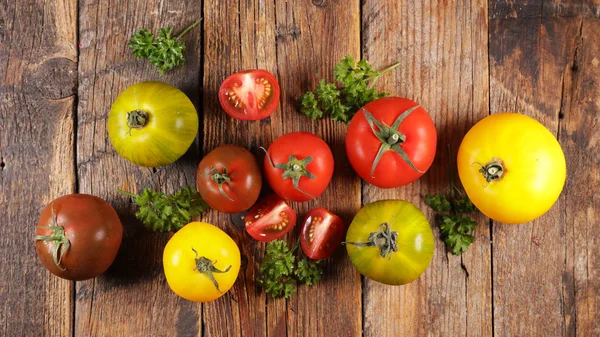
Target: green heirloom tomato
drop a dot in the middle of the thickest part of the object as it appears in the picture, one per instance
(152, 124)
(390, 241)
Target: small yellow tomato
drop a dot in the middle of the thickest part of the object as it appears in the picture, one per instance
(512, 168)
(201, 262)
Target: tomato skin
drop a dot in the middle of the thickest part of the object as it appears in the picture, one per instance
(362, 145)
(248, 82)
(242, 170)
(535, 167)
(415, 242)
(322, 233)
(301, 145)
(94, 232)
(179, 261)
(270, 218)
(170, 129)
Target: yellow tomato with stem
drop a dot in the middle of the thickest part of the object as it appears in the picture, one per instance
(152, 124)
(512, 167)
(201, 262)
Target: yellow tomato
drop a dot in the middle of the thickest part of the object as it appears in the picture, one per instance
(201, 262)
(512, 168)
(152, 124)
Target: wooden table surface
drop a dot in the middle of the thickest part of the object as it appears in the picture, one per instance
(63, 62)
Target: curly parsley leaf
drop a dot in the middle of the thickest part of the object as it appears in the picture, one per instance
(164, 52)
(356, 90)
(457, 232)
(309, 272)
(438, 203)
(160, 212)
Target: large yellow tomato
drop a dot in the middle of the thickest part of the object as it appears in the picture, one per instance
(201, 262)
(512, 168)
(152, 124)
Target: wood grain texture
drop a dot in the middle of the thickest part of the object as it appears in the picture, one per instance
(38, 79)
(132, 298)
(299, 42)
(534, 292)
(443, 50)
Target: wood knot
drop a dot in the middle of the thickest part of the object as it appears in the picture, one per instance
(55, 78)
(318, 3)
(283, 32)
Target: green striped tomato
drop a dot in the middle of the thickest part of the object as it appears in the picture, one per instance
(152, 124)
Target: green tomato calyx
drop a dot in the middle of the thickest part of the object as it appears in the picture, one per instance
(384, 239)
(390, 137)
(220, 179)
(207, 267)
(137, 119)
(60, 242)
(494, 170)
(294, 169)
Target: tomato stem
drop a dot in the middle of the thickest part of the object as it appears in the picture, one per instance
(60, 242)
(207, 267)
(136, 119)
(220, 179)
(493, 170)
(384, 239)
(294, 169)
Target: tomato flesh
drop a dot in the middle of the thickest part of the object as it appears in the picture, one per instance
(250, 95)
(322, 234)
(270, 219)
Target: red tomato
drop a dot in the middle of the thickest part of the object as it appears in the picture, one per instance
(299, 166)
(322, 233)
(391, 156)
(270, 219)
(249, 94)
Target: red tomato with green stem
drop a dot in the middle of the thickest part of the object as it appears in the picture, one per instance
(229, 179)
(391, 142)
(322, 233)
(270, 218)
(249, 94)
(298, 166)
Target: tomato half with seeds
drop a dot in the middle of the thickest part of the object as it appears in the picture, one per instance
(390, 241)
(229, 179)
(299, 166)
(270, 219)
(391, 142)
(250, 94)
(512, 167)
(322, 233)
(78, 236)
(152, 124)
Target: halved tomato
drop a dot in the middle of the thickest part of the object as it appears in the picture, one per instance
(249, 94)
(270, 218)
(322, 233)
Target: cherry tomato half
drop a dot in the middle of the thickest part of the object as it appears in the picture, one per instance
(322, 233)
(249, 94)
(270, 219)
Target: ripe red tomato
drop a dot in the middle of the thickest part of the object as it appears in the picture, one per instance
(299, 166)
(391, 142)
(229, 179)
(322, 233)
(78, 236)
(270, 219)
(249, 94)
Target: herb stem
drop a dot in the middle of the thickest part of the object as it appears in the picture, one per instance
(127, 193)
(374, 79)
(185, 31)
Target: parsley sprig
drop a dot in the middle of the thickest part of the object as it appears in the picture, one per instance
(357, 81)
(280, 270)
(160, 212)
(456, 225)
(164, 52)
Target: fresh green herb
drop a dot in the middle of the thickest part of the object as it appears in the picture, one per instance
(279, 270)
(456, 226)
(357, 81)
(160, 212)
(164, 52)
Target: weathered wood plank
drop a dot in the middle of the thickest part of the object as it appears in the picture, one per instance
(443, 50)
(534, 293)
(38, 76)
(578, 134)
(132, 298)
(299, 42)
